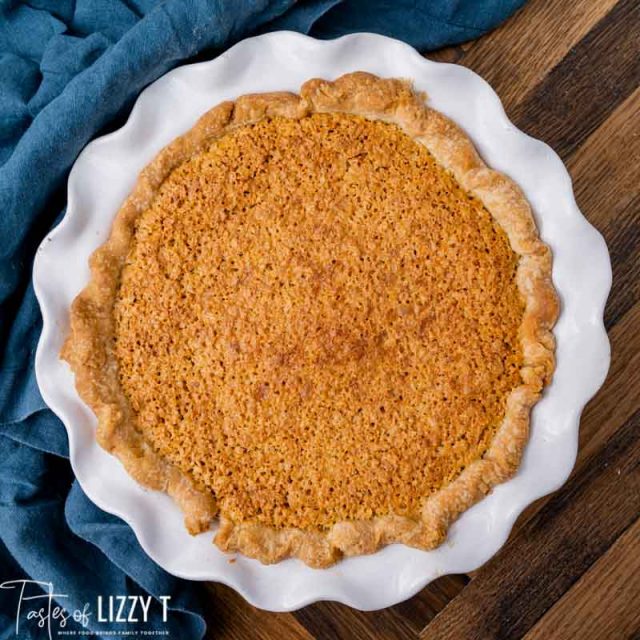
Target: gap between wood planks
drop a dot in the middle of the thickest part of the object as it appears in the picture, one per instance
(606, 180)
(566, 74)
(604, 600)
(598, 167)
(605, 168)
(230, 617)
(515, 589)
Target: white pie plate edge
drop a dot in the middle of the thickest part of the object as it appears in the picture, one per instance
(105, 172)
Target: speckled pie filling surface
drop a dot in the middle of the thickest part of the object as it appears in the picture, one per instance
(320, 319)
(317, 322)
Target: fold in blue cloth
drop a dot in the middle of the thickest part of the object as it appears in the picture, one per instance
(68, 69)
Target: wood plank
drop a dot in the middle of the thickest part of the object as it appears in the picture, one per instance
(426, 605)
(623, 239)
(606, 168)
(607, 187)
(510, 593)
(335, 621)
(612, 406)
(230, 617)
(617, 400)
(578, 92)
(451, 54)
(604, 603)
(404, 620)
(593, 113)
(606, 171)
(517, 56)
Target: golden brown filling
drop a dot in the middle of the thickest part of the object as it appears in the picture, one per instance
(317, 322)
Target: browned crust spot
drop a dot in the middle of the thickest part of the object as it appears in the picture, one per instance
(89, 346)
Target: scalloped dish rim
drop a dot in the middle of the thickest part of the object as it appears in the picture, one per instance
(104, 174)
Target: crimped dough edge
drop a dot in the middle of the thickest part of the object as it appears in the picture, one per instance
(88, 347)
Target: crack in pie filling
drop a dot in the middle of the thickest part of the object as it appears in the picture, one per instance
(321, 318)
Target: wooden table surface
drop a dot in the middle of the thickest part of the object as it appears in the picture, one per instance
(568, 72)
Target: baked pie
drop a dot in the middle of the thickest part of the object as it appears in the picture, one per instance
(320, 318)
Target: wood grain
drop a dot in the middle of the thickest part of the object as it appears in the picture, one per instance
(604, 603)
(229, 616)
(607, 188)
(430, 601)
(605, 167)
(333, 621)
(610, 408)
(572, 90)
(519, 55)
(568, 73)
(559, 544)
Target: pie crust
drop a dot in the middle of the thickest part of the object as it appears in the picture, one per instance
(89, 346)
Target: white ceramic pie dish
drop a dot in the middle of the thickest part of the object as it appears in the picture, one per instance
(102, 177)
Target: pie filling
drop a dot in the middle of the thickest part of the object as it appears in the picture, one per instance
(317, 323)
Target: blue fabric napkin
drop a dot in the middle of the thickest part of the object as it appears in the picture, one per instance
(69, 69)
